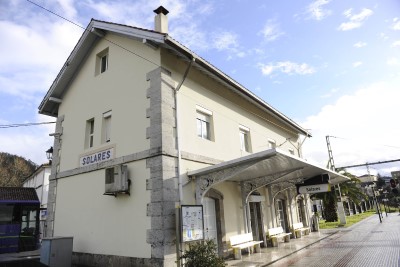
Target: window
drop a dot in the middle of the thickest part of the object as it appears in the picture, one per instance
(291, 151)
(244, 136)
(89, 133)
(102, 61)
(271, 143)
(106, 135)
(203, 120)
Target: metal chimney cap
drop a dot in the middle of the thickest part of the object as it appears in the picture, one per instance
(161, 9)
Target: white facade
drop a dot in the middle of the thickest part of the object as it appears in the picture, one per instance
(39, 180)
(152, 105)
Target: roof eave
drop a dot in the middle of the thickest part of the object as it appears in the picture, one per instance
(245, 92)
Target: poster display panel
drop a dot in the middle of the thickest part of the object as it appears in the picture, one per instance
(192, 223)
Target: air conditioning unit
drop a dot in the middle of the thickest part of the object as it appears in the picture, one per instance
(116, 180)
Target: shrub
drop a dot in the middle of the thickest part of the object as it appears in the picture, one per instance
(202, 254)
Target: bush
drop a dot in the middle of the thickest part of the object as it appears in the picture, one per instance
(202, 254)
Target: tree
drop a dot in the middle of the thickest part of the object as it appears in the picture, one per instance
(350, 189)
(14, 169)
(380, 182)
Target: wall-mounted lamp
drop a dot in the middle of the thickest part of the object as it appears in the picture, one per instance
(49, 154)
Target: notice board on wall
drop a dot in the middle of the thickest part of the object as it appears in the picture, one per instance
(192, 222)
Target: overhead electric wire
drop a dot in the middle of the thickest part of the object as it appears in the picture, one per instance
(349, 139)
(16, 125)
(76, 24)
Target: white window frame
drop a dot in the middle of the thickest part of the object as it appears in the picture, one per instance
(107, 126)
(89, 136)
(102, 62)
(244, 137)
(203, 123)
(271, 143)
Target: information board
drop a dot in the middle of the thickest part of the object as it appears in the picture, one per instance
(192, 223)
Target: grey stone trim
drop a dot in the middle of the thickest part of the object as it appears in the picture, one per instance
(99, 260)
(120, 160)
(199, 158)
(51, 202)
(163, 182)
(162, 110)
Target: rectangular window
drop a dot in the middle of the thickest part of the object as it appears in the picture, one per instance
(244, 136)
(106, 136)
(89, 133)
(203, 121)
(102, 62)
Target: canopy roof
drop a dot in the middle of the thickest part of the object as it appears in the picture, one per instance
(18, 195)
(264, 168)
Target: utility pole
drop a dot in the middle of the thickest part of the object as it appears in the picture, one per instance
(375, 198)
(331, 165)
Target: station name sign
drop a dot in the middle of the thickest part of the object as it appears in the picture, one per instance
(96, 157)
(312, 189)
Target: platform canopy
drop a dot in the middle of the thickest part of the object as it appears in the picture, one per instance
(268, 167)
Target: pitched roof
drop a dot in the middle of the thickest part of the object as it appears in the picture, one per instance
(97, 29)
(18, 195)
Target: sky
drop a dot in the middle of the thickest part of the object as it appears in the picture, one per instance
(332, 66)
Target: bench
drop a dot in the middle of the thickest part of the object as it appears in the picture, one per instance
(276, 234)
(299, 230)
(239, 242)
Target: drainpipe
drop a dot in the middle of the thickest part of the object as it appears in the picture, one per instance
(177, 128)
(180, 190)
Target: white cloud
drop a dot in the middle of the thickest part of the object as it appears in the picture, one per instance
(360, 44)
(366, 121)
(191, 36)
(393, 61)
(383, 36)
(38, 62)
(330, 93)
(317, 11)
(29, 142)
(396, 43)
(357, 64)
(228, 41)
(271, 31)
(225, 41)
(396, 24)
(355, 20)
(69, 10)
(286, 67)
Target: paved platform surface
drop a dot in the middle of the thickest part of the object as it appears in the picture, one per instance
(21, 259)
(367, 243)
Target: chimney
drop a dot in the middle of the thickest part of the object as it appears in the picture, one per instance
(161, 20)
